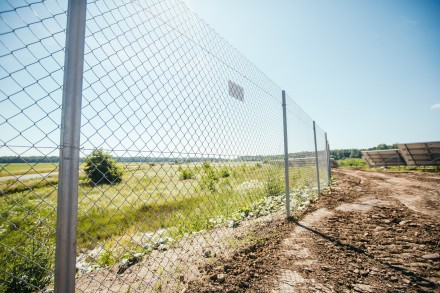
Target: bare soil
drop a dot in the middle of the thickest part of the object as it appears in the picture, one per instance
(373, 232)
(171, 269)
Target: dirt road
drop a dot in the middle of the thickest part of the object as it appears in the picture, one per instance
(374, 232)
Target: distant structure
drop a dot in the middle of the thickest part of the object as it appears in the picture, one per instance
(406, 154)
(383, 158)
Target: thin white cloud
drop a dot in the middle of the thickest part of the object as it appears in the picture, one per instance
(435, 106)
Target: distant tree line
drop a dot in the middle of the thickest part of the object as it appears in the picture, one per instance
(336, 154)
(304, 154)
(356, 153)
(29, 159)
(56, 159)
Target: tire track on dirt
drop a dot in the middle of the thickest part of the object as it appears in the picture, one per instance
(368, 242)
(360, 237)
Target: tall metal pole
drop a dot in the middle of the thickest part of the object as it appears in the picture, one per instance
(67, 209)
(329, 166)
(286, 156)
(327, 151)
(316, 155)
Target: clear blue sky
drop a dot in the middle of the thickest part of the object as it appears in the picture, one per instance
(367, 71)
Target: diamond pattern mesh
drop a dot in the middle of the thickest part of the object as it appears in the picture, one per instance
(181, 152)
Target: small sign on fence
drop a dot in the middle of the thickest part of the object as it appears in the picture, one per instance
(236, 91)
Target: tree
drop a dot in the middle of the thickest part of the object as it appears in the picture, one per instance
(355, 153)
(101, 168)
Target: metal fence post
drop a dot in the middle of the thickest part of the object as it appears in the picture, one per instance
(329, 165)
(67, 208)
(316, 156)
(286, 156)
(327, 156)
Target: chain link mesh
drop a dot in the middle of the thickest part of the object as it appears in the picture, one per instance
(323, 159)
(32, 39)
(302, 157)
(181, 145)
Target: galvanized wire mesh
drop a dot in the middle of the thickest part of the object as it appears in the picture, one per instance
(181, 145)
(302, 156)
(32, 43)
(322, 156)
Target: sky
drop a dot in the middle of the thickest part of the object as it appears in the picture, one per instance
(155, 79)
(368, 72)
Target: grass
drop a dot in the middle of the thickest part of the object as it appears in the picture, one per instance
(160, 202)
(148, 199)
(352, 163)
(15, 186)
(361, 164)
(429, 169)
(23, 168)
(121, 219)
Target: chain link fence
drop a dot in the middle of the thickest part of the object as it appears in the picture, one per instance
(181, 146)
(32, 41)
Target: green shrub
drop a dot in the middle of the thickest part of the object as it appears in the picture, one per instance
(206, 166)
(274, 184)
(224, 173)
(27, 271)
(353, 163)
(101, 168)
(209, 178)
(185, 174)
(208, 181)
(106, 259)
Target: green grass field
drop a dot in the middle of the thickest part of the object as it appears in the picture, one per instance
(31, 168)
(352, 163)
(175, 199)
(361, 164)
(149, 198)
